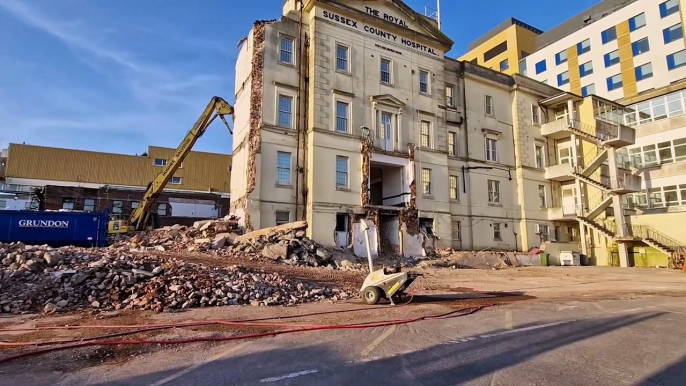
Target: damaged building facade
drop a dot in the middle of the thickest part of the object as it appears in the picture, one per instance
(349, 110)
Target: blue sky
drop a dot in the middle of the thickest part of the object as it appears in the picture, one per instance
(117, 76)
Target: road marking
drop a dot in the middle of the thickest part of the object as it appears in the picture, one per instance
(289, 376)
(508, 319)
(201, 363)
(378, 341)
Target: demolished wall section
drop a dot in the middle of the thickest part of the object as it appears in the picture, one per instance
(366, 151)
(255, 131)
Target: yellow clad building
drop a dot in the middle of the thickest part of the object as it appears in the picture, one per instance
(503, 46)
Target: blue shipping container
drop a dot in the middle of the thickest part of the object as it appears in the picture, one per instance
(54, 228)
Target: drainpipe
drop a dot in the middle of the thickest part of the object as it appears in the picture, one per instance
(465, 129)
(300, 104)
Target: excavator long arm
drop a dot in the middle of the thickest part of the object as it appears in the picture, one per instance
(217, 107)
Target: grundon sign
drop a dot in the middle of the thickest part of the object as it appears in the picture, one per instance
(379, 32)
(43, 224)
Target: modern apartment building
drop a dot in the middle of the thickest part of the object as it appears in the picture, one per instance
(621, 53)
(356, 114)
(504, 46)
(92, 181)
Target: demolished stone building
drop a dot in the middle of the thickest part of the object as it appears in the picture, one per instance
(349, 110)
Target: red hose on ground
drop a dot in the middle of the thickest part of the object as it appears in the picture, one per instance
(456, 313)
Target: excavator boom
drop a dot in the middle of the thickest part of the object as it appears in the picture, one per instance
(217, 107)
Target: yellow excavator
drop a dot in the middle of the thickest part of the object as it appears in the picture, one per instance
(142, 217)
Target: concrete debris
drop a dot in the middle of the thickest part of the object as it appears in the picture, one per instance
(293, 226)
(470, 259)
(113, 278)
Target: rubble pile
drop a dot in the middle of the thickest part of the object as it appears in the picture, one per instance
(286, 243)
(449, 258)
(36, 278)
(202, 236)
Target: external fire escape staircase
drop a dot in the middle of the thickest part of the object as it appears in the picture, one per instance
(607, 138)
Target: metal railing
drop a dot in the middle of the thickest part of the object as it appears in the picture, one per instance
(647, 232)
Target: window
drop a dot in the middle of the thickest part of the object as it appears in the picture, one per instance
(3, 204)
(117, 206)
(496, 231)
(425, 140)
(637, 22)
(342, 58)
(426, 181)
(655, 196)
(449, 95)
(664, 150)
(454, 188)
(649, 155)
(68, 203)
(457, 231)
(583, 47)
(283, 168)
(522, 67)
(495, 51)
(611, 58)
(588, 90)
(282, 217)
(541, 196)
(504, 65)
(640, 46)
(535, 115)
(586, 69)
(286, 50)
(540, 67)
(540, 155)
(671, 195)
(175, 180)
(563, 78)
(644, 72)
(608, 35)
(491, 150)
(285, 111)
(341, 171)
(669, 7)
(134, 204)
(614, 82)
(561, 57)
(493, 192)
(680, 152)
(162, 209)
(160, 162)
(676, 59)
(342, 117)
(452, 143)
(385, 71)
(543, 231)
(424, 81)
(89, 205)
(672, 33)
(489, 105)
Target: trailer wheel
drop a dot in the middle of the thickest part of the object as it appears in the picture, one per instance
(371, 295)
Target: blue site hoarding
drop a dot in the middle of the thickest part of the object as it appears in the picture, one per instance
(54, 228)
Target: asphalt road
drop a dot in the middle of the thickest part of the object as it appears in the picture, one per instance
(607, 342)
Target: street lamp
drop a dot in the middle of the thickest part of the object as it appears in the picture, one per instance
(365, 132)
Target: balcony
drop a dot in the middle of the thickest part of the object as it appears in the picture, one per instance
(557, 129)
(561, 172)
(615, 135)
(625, 183)
(564, 213)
